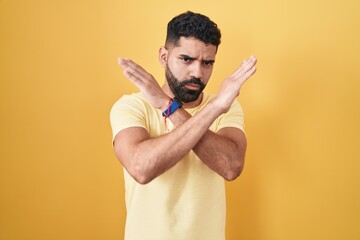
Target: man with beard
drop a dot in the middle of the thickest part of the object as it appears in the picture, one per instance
(176, 143)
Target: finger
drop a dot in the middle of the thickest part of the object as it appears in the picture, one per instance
(249, 63)
(135, 68)
(137, 81)
(251, 72)
(248, 74)
(122, 62)
(245, 66)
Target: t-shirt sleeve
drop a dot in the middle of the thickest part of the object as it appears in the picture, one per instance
(233, 118)
(126, 112)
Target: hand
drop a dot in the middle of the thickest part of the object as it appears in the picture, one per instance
(230, 87)
(145, 82)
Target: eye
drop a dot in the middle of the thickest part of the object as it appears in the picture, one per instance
(186, 59)
(208, 63)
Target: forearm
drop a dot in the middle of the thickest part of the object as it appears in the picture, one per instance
(153, 156)
(221, 154)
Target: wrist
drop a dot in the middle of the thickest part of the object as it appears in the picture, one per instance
(165, 103)
(173, 105)
(218, 106)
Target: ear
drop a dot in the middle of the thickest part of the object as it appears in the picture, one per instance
(163, 56)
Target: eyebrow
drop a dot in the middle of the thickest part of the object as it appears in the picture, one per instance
(192, 58)
(186, 56)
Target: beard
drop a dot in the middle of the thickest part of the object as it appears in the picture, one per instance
(179, 89)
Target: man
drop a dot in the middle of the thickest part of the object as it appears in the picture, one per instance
(176, 143)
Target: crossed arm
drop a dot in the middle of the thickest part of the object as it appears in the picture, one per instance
(147, 157)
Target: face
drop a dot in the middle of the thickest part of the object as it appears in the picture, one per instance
(189, 66)
(187, 90)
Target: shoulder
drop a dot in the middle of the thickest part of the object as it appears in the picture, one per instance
(232, 118)
(128, 111)
(135, 101)
(129, 99)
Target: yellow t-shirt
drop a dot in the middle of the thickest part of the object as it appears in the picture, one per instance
(187, 202)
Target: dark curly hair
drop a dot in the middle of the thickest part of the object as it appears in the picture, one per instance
(195, 25)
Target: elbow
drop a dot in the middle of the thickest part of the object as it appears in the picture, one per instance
(140, 175)
(234, 173)
(136, 170)
(142, 178)
(231, 176)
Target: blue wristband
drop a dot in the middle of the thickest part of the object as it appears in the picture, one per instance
(175, 104)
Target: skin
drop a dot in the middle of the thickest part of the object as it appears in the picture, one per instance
(148, 157)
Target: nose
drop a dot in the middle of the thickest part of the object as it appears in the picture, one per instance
(196, 70)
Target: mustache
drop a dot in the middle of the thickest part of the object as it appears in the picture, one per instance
(192, 80)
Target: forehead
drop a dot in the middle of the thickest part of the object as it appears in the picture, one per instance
(194, 48)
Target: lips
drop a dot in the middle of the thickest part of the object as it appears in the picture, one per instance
(193, 86)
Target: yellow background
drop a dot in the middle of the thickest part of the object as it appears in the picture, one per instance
(59, 178)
